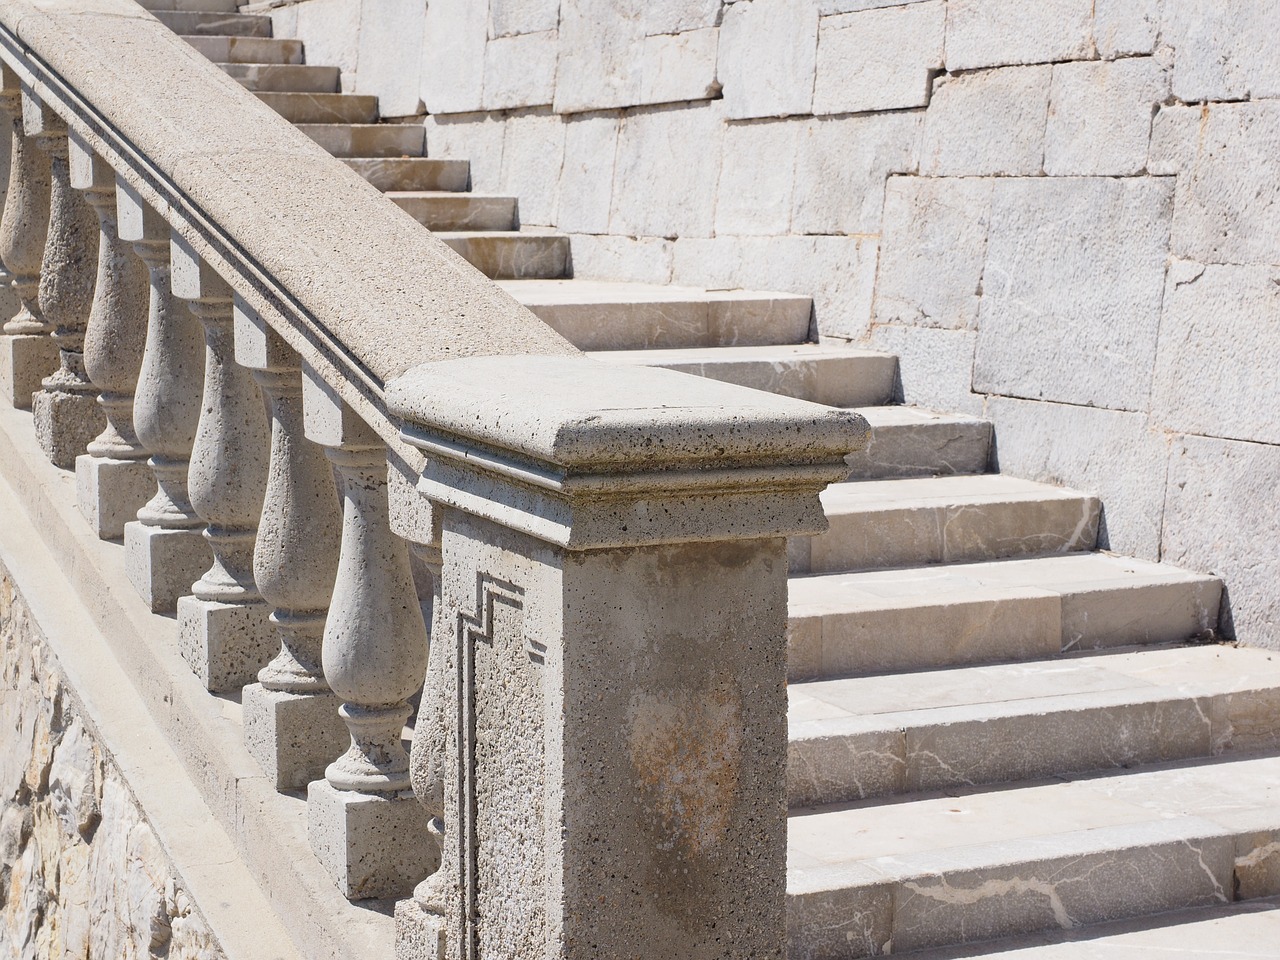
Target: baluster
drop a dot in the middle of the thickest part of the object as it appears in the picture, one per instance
(223, 628)
(27, 352)
(362, 819)
(291, 722)
(113, 480)
(165, 550)
(66, 411)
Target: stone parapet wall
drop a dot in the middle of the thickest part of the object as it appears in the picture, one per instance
(1061, 215)
(82, 874)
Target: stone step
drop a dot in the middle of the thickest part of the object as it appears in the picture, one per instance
(248, 49)
(866, 737)
(914, 442)
(1243, 930)
(835, 376)
(895, 523)
(214, 23)
(412, 173)
(918, 618)
(864, 880)
(204, 6)
(603, 315)
(284, 77)
(368, 139)
(508, 255)
(322, 107)
(443, 210)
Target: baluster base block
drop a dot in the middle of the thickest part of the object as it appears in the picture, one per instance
(225, 644)
(110, 492)
(163, 563)
(372, 846)
(419, 935)
(65, 424)
(25, 360)
(293, 736)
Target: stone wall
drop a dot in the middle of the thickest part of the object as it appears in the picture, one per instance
(82, 875)
(1064, 215)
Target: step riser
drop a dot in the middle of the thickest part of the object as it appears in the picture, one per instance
(514, 258)
(947, 534)
(923, 450)
(322, 107)
(676, 325)
(1015, 623)
(827, 766)
(837, 382)
(284, 78)
(248, 49)
(373, 140)
(190, 24)
(462, 212)
(413, 174)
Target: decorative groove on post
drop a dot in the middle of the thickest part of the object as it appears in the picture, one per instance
(362, 818)
(67, 415)
(113, 480)
(224, 632)
(291, 722)
(27, 353)
(165, 550)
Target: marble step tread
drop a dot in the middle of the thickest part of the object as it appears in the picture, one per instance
(917, 618)
(322, 107)
(864, 879)
(247, 49)
(866, 737)
(911, 522)
(530, 253)
(284, 77)
(612, 315)
(214, 23)
(914, 442)
(412, 173)
(449, 210)
(368, 139)
(832, 375)
(1243, 930)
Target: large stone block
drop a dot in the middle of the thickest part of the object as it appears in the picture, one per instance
(1126, 27)
(1220, 518)
(1072, 289)
(667, 166)
(586, 179)
(520, 71)
(391, 55)
(532, 155)
(768, 53)
(1227, 196)
(1174, 139)
(599, 68)
(679, 66)
(475, 137)
(993, 33)
(611, 257)
(1115, 455)
(331, 31)
(452, 69)
(838, 272)
(878, 59)
(1223, 51)
(933, 249)
(935, 367)
(757, 173)
(1100, 116)
(987, 123)
(841, 167)
(510, 17)
(1219, 340)
(676, 16)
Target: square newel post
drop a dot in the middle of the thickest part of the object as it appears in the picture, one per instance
(27, 352)
(602, 737)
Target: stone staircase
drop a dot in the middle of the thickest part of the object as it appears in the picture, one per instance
(995, 729)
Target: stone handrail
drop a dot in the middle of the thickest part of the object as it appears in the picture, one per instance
(598, 765)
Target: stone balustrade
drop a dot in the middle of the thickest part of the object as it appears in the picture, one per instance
(598, 761)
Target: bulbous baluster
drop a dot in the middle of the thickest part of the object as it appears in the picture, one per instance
(291, 722)
(165, 550)
(27, 353)
(112, 477)
(224, 633)
(67, 415)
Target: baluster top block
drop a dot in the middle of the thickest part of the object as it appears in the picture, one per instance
(137, 220)
(192, 277)
(88, 170)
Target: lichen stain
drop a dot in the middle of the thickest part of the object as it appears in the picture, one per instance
(685, 751)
